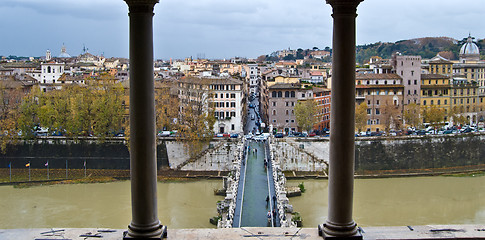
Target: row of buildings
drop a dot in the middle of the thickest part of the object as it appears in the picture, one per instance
(386, 86)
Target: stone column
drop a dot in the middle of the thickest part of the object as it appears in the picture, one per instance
(339, 223)
(143, 164)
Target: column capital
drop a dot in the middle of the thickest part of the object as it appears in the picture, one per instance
(343, 7)
(141, 6)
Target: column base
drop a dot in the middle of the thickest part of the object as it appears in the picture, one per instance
(160, 236)
(353, 236)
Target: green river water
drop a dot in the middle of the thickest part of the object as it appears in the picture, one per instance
(377, 202)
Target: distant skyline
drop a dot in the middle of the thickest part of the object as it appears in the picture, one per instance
(223, 29)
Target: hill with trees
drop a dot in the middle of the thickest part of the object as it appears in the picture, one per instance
(426, 47)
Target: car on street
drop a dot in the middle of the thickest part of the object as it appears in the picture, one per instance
(278, 135)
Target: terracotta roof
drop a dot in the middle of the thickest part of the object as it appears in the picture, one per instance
(316, 73)
(376, 76)
(433, 76)
(210, 80)
(285, 86)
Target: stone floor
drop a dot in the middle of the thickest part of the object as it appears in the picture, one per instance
(371, 233)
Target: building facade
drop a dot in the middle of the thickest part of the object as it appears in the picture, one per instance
(409, 69)
(384, 96)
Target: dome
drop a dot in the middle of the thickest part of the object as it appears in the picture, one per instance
(64, 53)
(469, 51)
(469, 47)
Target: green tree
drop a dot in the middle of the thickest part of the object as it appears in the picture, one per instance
(392, 117)
(28, 113)
(361, 117)
(412, 115)
(10, 98)
(166, 106)
(305, 112)
(434, 115)
(108, 109)
(196, 120)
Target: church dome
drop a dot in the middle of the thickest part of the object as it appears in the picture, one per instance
(64, 53)
(469, 47)
(469, 51)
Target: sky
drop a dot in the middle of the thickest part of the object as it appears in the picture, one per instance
(219, 29)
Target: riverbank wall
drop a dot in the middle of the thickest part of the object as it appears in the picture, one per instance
(387, 155)
(298, 156)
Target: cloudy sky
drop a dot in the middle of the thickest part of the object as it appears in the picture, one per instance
(223, 28)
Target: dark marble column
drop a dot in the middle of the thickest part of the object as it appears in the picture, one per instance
(339, 224)
(143, 164)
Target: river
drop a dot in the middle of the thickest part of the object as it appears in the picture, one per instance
(105, 205)
(378, 202)
(400, 201)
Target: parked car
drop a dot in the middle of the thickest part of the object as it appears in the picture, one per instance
(164, 134)
(278, 135)
(234, 135)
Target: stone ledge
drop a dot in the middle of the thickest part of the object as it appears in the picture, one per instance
(371, 233)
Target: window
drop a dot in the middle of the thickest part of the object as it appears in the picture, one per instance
(233, 114)
(274, 104)
(233, 95)
(412, 73)
(287, 104)
(273, 94)
(303, 95)
(415, 92)
(424, 102)
(233, 104)
(409, 82)
(232, 127)
(222, 95)
(378, 111)
(415, 82)
(227, 104)
(280, 94)
(287, 112)
(287, 94)
(432, 102)
(446, 101)
(369, 111)
(274, 112)
(292, 104)
(377, 102)
(439, 102)
(368, 102)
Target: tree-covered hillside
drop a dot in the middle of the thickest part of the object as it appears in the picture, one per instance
(426, 47)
